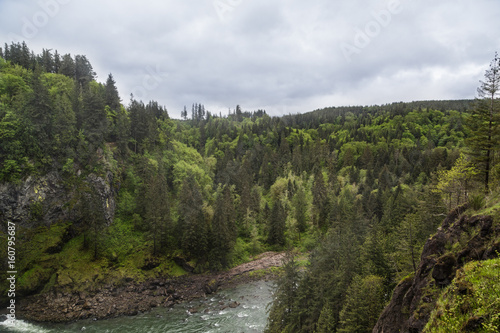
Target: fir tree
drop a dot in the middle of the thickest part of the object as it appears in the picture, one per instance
(484, 120)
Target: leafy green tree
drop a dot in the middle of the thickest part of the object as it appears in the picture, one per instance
(455, 184)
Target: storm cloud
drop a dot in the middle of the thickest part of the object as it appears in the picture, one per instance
(282, 56)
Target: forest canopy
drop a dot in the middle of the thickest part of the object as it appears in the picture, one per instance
(361, 188)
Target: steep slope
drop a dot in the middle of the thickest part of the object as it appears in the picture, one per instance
(460, 239)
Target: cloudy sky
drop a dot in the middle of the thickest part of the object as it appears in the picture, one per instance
(285, 56)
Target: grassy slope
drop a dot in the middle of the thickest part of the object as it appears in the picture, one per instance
(472, 302)
(47, 259)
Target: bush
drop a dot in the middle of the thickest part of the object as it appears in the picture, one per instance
(477, 201)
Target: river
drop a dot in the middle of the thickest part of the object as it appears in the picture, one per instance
(212, 314)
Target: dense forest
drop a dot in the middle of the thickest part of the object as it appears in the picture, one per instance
(358, 189)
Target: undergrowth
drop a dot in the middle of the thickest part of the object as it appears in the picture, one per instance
(471, 303)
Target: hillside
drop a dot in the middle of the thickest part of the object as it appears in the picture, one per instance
(106, 195)
(465, 241)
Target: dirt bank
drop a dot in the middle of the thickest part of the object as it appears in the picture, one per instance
(132, 298)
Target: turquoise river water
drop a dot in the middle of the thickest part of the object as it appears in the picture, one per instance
(212, 315)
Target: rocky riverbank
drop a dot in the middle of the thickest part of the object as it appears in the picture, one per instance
(132, 298)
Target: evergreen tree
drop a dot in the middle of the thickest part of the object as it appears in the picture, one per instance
(84, 72)
(94, 118)
(320, 200)
(39, 111)
(277, 225)
(157, 207)
(484, 121)
(92, 214)
(300, 204)
(326, 321)
(223, 230)
(67, 66)
(284, 302)
(111, 97)
(364, 302)
(191, 223)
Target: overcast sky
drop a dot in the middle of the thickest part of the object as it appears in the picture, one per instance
(285, 56)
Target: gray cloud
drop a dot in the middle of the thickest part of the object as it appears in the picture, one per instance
(286, 57)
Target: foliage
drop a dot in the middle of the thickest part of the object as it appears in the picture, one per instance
(284, 301)
(484, 123)
(364, 302)
(471, 302)
(455, 183)
(352, 186)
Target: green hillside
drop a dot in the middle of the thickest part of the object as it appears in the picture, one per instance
(104, 191)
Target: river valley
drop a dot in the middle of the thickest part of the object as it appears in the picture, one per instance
(239, 309)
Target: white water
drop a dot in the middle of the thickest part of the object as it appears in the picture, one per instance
(249, 317)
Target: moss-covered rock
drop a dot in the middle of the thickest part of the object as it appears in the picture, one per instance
(471, 303)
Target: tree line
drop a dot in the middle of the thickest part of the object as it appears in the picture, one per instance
(360, 188)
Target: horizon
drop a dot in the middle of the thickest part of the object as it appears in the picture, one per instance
(263, 55)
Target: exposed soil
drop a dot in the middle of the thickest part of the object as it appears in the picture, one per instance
(132, 298)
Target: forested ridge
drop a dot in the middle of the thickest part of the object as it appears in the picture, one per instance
(360, 188)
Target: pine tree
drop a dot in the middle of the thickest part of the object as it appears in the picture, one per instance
(94, 118)
(277, 225)
(320, 201)
(363, 305)
(191, 224)
(484, 120)
(67, 66)
(223, 236)
(300, 204)
(92, 213)
(284, 298)
(326, 321)
(111, 97)
(157, 207)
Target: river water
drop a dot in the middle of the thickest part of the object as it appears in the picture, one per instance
(212, 315)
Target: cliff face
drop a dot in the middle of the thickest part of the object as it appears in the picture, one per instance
(459, 240)
(44, 200)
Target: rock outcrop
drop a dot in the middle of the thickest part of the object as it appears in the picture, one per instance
(460, 239)
(47, 199)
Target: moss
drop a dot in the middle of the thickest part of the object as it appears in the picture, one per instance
(471, 302)
(33, 280)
